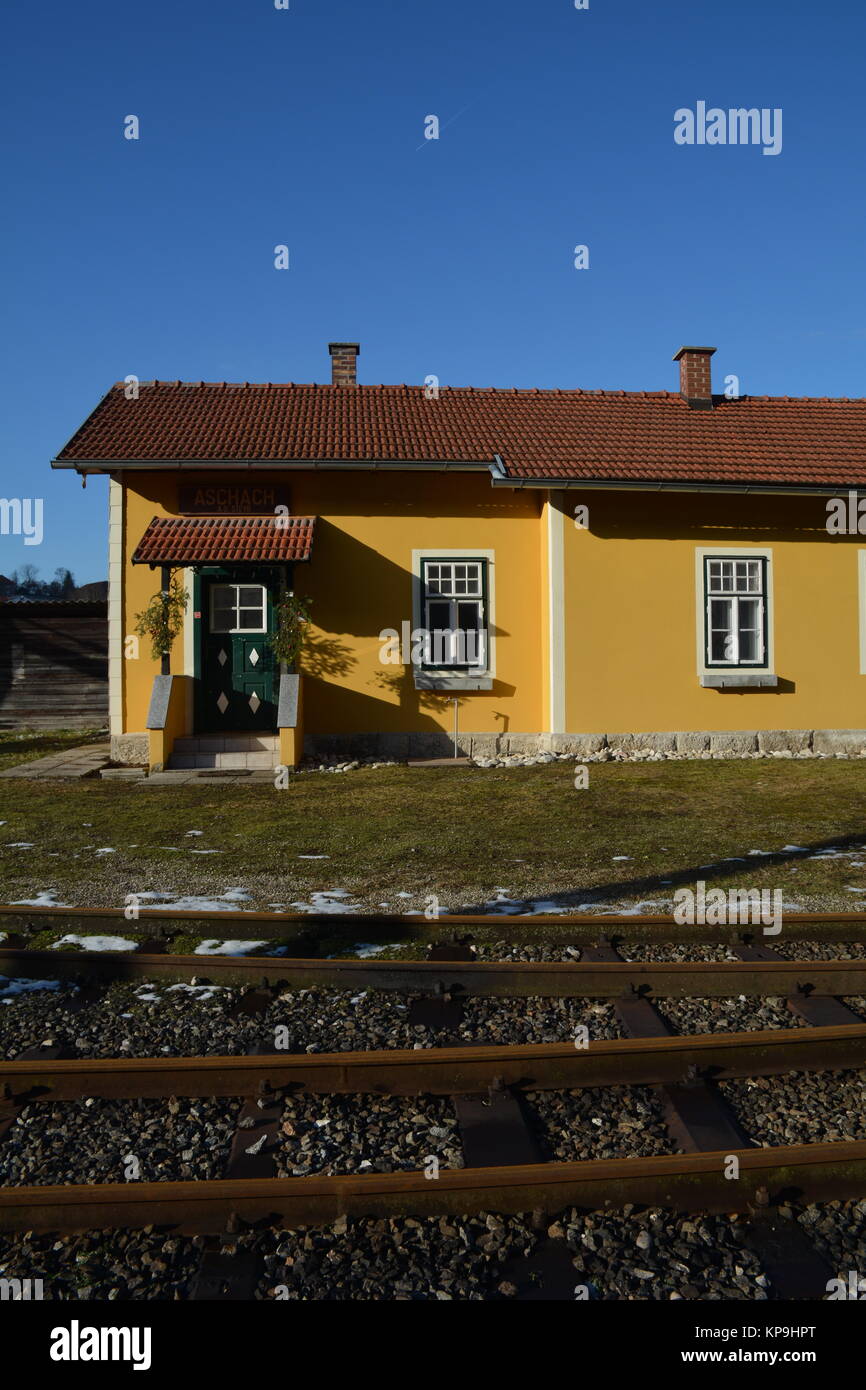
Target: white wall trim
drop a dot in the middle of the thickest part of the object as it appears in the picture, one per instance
(861, 569)
(115, 606)
(749, 552)
(556, 613)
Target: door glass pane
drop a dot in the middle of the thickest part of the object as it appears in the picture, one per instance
(222, 608)
(251, 620)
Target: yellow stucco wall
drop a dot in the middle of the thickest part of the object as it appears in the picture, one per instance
(630, 604)
(631, 614)
(360, 580)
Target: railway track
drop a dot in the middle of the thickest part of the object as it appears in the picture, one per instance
(502, 1171)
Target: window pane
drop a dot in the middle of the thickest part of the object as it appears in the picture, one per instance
(749, 624)
(438, 614)
(251, 620)
(721, 618)
(250, 596)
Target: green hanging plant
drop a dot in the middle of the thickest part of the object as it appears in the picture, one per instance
(162, 619)
(291, 613)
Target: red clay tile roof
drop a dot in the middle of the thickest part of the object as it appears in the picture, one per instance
(181, 541)
(569, 435)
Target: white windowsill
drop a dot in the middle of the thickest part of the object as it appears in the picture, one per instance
(452, 680)
(743, 680)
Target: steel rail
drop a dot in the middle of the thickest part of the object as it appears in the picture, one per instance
(593, 979)
(554, 927)
(441, 1071)
(682, 1182)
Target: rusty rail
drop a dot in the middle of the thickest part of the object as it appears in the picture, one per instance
(682, 1182)
(553, 928)
(441, 1071)
(598, 980)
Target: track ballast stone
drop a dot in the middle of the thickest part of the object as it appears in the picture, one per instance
(598, 1122)
(734, 1014)
(96, 1141)
(366, 1134)
(800, 1107)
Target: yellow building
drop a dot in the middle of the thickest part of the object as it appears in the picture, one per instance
(533, 569)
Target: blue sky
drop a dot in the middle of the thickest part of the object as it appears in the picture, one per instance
(454, 257)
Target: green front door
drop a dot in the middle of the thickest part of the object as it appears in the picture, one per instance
(238, 685)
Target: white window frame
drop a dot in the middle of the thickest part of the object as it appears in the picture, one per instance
(450, 677)
(238, 631)
(702, 596)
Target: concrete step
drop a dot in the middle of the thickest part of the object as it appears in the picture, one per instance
(258, 759)
(226, 743)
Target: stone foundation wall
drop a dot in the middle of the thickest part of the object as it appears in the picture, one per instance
(130, 748)
(133, 748)
(438, 744)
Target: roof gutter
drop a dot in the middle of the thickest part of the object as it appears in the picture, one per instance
(203, 465)
(500, 478)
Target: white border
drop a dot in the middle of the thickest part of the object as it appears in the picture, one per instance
(861, 570)
(115, 607)
(556, 613)
(733, 552)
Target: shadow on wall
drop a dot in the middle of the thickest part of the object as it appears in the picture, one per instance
(356, 590)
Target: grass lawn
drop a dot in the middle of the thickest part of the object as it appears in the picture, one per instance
(469, 836)
(24, 745)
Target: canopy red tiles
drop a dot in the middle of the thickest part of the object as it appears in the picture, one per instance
(217, 540)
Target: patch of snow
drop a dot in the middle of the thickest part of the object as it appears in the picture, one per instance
(225, 903)
(793, 849)
(96, 943)
(215, 947)
(44, 899)
(9, 988)
(19, 844)
(195, 832)
(366, 949)
(106, 850)
(618, 857)
(314, 856)
(326, 902)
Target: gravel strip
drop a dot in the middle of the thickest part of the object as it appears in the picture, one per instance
(818, 950)
(623, 1254)
(857, 1004)
(129, 1021)
(366, 1134)
(674, 951)
(91, 1141)
(340, 1021)
(646, 1255)
(838, 1231)
(504, 950)
(800, 1107)
(739, 1014)
(536, 1020)
(603, 1122)
(140, 1265)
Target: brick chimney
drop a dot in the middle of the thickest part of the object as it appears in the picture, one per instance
(344, 363)
(695, 376)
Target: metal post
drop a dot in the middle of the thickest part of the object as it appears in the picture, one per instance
(456, 706)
